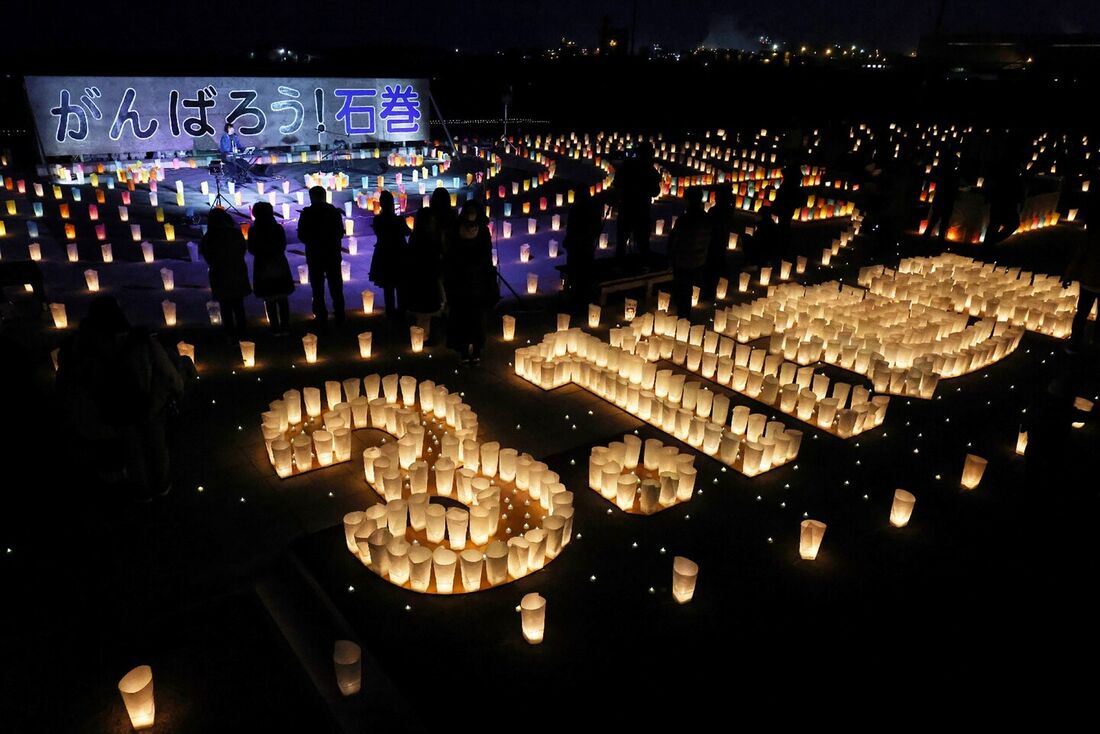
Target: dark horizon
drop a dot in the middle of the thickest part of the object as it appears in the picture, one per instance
(494, 25)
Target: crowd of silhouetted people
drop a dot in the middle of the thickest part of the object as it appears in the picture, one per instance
(441, 269)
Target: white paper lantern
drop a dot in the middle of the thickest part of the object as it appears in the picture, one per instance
(136, 688)
(809, 542)
(902, 508)
(533, 617)
(347, 659)
(684, 574)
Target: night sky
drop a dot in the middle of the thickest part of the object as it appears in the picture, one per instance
(504, 24)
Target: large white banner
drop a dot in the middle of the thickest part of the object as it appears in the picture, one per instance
(78, 115)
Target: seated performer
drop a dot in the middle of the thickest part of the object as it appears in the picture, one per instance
(236, 167)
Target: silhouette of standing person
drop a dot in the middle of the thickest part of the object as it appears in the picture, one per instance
(132, 382)
(388, 261)
(787, 199)
(321, 230)
(223, 248)
(637, 181)
(582, 233)
(688, 245)
(470, 281)
(271, 278)
(1005, 196)
(943, 203)
(722, 223)
(423, 294)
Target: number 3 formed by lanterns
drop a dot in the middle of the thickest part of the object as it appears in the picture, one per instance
(452, 504)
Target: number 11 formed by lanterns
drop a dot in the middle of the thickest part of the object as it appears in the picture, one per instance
(515, 515)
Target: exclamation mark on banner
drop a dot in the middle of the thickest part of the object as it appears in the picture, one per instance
(319, 105)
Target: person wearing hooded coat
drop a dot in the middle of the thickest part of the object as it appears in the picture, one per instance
(271, 278)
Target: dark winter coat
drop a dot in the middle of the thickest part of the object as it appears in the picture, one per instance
(223, 250)
(271, 277)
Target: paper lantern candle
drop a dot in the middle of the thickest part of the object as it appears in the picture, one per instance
(365, 340)
(347, 659)
(136, 688)
(902, 508)
(809, 542)
(509, 327)
(973, 469)
(416, 336)
(593, 316)
(91, 278)
(532, 283)
(684, 574)
(532, 609)
(248, 354)
(60, 318)
(368, 301)
(309, 345)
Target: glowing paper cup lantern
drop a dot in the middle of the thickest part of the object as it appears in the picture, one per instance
(169, 309)
(509, 326)
(902, 508)
(248, 353)
(809, 542)
(532, 610)
(309, 344)
(973, 470)
(532, 283)
(593, 316)
(684, 574)
(416, 336)
(60, 318)
(136, 688)
(365, 340)
(347, 659)
(368, 302)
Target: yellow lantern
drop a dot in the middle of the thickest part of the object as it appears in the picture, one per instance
(347, 661)
(593, 316)
(809, 542)
(309, 345)
(60, 318)
(365, 340)
(248, 354)
(902, 508)
(684, 574)
(136, 688)
(532, 609)
(509, 327)
(973, 469)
